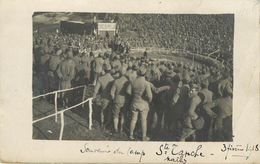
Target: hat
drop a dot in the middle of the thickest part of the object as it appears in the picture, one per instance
(186, 78)
(205, 83)
(142, 70)
(169, 73)
(134, 58)
(130, 64)
(70, 54)
(107, 67)
(170, 67)
(135, 67)
(194, 86)
(100, 54)
(122, 70)
(58, 52)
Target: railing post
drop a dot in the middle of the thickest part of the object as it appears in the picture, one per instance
(83, 96)
(90, 114)
(56, 106)
(62, 125)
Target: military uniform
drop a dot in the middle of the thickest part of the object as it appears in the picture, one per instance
(142, 95)
(121, 101)
(97, 68)
(206, 97)
(192, 112)
(66, 72)
(53, 77)
(105, 83)
(43, 72)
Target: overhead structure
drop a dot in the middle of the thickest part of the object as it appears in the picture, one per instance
(76, 27)
(106, 29)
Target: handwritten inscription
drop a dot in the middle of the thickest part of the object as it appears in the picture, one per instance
(108, 150)
(239, 150)
(136, 152)
(177, 154)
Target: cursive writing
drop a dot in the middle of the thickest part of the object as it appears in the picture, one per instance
(178, 154)
(93, 150)
(108, 150)
(136, 152)
(239, 150)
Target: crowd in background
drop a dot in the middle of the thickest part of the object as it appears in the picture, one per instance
(203, 33)
(193, 101)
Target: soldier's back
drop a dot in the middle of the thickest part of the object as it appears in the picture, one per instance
(106, 82)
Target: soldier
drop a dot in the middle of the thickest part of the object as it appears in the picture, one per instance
(105, 83)
(121, 100)
(132, 76)
(224, 118)
(142, 95)
(82, 73)
(76, 59)
(224, 84)
(181, 103)
(191, 118)
(163, 101)
(145, 53)
(97, 67)
(206, 96)
(53, 77)
(43, 70)
(66, 72)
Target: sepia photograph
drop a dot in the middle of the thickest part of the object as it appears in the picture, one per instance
(132, 77)
(120, 81)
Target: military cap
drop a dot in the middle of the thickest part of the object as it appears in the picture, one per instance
(58, 52)
(170, 67)
(70, 54)
(142, 70)
(194, 86)
(169, 73)
(107, 67)
(135, 67)
(205, 83)
(186, 78)
(100, 54)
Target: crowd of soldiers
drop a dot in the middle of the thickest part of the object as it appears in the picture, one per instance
(202, 33)
(190, 100)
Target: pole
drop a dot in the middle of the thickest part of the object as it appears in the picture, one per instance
(62, 125)
(90, 114)
(56, 106)
(83, 96)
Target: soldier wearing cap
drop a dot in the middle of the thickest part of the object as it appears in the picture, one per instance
(43, 70)
(206, 97)
(142, 95)
(53, 65)
(132, 76)
(66, 73)
(224, 118)
(224, 84)
(97, 67)
(181, 102)
(121, 100)
(192, 113)
(76, 59)
(82, 73)
(105, 83)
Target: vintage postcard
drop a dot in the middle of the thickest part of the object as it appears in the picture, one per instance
(129, 81)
